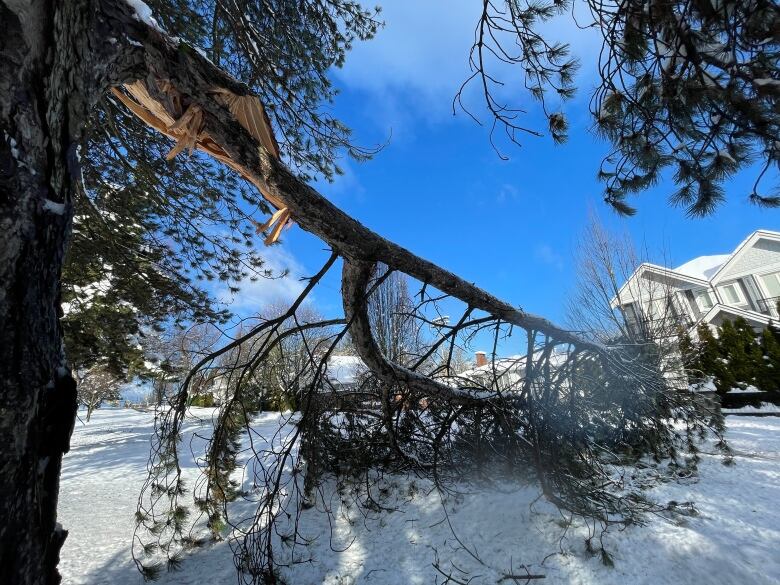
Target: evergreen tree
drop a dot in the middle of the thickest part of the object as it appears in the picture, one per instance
(732, 356)
(738, 357)
(752, 366)
(689, 355)
(101, 330)
(709, 361)
(165, 229)
(685, 85)
(768, 378)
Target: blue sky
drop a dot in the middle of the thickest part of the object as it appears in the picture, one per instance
(440, 189)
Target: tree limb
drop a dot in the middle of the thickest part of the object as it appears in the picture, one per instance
(195, 78)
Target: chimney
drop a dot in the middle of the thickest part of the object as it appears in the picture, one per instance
(481, 358)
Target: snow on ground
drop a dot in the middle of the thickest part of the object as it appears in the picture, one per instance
(734, 538)
(763, 408)
(747, 390)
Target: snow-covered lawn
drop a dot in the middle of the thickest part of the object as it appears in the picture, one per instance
(734, 539)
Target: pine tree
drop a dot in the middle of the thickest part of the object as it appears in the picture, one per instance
(768, 378)
(709, 360)
(159, 225)
(686, 86)
(102, 331)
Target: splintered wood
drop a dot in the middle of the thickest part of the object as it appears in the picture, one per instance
(185, 126)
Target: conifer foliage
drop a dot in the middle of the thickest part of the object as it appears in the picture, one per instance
(735, 357)
(159, 234)
(685, 86)
(691, 86)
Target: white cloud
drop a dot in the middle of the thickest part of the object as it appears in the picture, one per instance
(507, 193)
(421, 57)
(255, 296)
(545, 254)
(423, 48)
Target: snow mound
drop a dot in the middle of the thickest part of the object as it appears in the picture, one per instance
(703, 267)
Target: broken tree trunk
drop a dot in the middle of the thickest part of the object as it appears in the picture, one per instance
(194, 80)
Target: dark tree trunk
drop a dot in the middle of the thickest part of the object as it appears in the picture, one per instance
(45, 49)
(38, 400)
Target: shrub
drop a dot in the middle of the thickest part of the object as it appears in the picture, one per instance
(737, 357)
(205, 400)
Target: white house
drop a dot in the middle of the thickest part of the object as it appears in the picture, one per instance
(344, 372)
(708, 289)
(506, 374)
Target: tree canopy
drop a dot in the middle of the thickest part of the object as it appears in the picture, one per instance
(685, 86)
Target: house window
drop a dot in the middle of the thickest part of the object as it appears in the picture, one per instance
(630, 312)
(772, 284)
(732, 294)
(704, 300)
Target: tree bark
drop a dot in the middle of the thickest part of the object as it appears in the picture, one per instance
(356, 276)
(50, 72)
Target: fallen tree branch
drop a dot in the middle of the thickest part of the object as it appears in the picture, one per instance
(195, 79)
(520, 578)
(355, 280)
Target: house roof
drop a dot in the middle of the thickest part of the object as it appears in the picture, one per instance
(512, 364)
(745, 245)
(655, 268)
(702, 270)
(750, 316)
(703, 267)
(501, 366)
(345, 369)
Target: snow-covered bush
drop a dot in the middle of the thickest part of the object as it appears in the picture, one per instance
(734, 356)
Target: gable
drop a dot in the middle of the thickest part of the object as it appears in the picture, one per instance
(652, 281)
(668, 281)
(761, 255)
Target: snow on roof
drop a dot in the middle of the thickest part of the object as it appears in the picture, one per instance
(703, 267)
(345, 369)
(514, 364)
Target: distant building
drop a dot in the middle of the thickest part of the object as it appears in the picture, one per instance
(345, 372)
(506, 374)
(708, 289)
